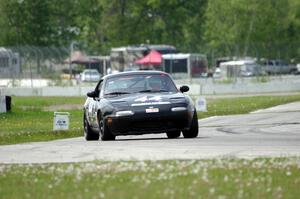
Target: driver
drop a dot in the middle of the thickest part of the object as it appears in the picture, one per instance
(155, 84)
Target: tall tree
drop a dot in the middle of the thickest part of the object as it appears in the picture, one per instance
(250, 27)
(28, 21)
(65, 21)
(174, 22)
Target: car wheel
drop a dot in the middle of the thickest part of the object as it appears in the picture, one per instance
(88, 132)
(193, 131)
(173, 134)
(104, 131)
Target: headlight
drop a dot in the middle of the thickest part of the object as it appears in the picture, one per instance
(124, 113)
(175, 109)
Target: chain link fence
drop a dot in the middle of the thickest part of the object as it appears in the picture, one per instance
(32, 62)
(49, 66)
(53, 63)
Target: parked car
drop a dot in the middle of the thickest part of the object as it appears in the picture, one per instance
(278, 67)
(138, 102)
(217, 73)
(298, 68)
(91, 75)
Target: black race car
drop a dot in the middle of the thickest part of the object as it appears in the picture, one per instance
(141, 102)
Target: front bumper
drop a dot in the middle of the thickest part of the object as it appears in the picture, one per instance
(143, 123)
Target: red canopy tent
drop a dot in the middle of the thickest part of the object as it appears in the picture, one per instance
(153, 58)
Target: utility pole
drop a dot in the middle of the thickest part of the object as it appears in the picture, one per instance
(71, 53)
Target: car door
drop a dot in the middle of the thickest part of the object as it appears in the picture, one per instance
(93, 106)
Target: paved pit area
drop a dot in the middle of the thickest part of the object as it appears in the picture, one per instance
(273, 132)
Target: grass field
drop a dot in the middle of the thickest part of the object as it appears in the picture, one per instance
(31, 118)
(219, 178)
(242, 105)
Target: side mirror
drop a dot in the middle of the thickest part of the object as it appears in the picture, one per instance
(92, 94)
(184, 89)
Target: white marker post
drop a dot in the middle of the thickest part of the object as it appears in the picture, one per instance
(2, 104)
(61, 121)
(201, 104)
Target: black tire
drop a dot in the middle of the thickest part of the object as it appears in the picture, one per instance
(89, 134)
(193, 131)
(105, 133)
(173, 134)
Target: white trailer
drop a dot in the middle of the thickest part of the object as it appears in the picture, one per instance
(9, 63)
(185, 65)
(240, 68)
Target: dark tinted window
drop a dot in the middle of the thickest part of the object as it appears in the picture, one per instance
(176, 66)
(139, 82)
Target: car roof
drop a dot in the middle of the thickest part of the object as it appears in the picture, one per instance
(147, 72)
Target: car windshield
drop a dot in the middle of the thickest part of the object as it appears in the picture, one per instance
(135, 83)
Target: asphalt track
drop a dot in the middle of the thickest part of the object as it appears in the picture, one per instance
(273, 132)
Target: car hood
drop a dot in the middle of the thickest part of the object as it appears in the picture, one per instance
(146, 99)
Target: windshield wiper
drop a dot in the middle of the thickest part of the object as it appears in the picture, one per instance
(145, 91)
(117, 93)
(152, 91)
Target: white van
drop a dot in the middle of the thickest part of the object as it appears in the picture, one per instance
(90, 75)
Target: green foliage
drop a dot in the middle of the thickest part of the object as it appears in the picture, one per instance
(269, 29)
(102, 24)
(242, 28)
(27, 21)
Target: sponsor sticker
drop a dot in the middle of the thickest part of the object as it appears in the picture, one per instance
(147, 98)
(150, 103)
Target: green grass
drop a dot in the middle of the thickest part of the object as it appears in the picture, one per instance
(29, 119)
(242, 105)
(219, 178)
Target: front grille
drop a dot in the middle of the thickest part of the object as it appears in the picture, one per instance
(155, 125)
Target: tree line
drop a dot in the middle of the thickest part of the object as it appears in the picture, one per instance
(269, 28)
